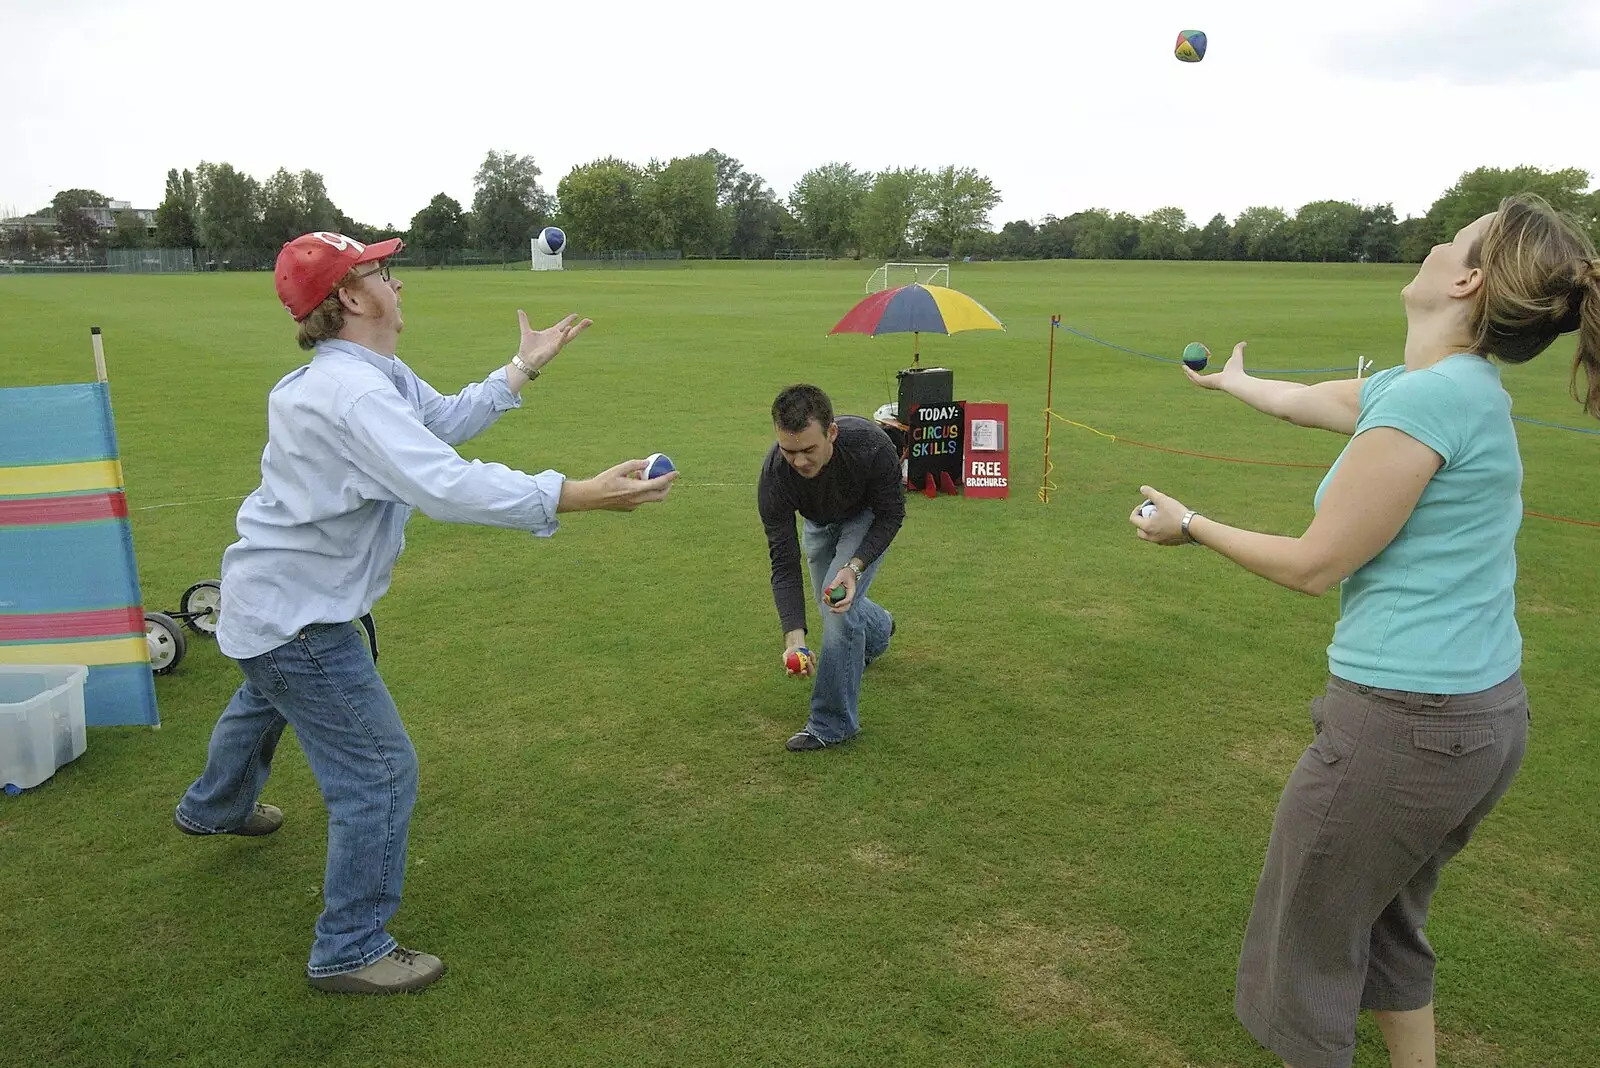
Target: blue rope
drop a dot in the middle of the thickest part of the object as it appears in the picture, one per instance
(1169, 359)
(1555, 426)
(1313, 371)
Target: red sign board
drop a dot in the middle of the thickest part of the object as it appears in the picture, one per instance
(986, 461)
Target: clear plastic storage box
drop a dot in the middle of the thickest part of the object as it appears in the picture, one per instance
(41, 721)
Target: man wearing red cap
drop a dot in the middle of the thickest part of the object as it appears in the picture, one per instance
(355, 442)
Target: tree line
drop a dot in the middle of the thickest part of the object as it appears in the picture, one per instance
(710, 204)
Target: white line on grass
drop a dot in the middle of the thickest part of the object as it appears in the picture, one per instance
(216, 500)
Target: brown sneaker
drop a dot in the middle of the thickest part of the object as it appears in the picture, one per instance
(401, 971)
(264, 819)
(804, 742)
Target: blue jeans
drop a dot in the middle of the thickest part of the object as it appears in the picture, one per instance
(850, 641)
(326, 686)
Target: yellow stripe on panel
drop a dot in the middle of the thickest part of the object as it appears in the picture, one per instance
(41, 479)
(89, 654)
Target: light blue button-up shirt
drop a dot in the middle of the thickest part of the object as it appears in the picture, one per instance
(355, 441)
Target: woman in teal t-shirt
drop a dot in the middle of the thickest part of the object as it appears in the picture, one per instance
(1424, 720)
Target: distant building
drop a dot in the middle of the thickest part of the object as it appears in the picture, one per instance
(105, 218)
(29, 222)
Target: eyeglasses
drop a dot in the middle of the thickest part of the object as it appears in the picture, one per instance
(381, 270)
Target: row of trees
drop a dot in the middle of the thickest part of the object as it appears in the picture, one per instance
(700, 205)
(1324, 231)
(241, 221)
(216, 208)
(711, 205)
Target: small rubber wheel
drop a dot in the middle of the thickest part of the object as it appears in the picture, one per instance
(201, 606)
(166, 640)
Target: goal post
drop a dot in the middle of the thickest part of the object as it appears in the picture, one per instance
(893, 275)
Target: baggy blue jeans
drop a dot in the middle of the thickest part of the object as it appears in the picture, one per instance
(850, 640)
(325, 684)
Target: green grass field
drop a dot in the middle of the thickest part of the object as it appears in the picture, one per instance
(1040, 851)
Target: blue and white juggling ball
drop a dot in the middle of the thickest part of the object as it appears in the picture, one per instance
(551, 240)
(656, 465)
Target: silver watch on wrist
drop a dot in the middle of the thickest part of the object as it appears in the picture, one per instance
(531, 372)
(858, 570)
(1187, 516)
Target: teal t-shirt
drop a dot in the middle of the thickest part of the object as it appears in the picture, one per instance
(1435, 611)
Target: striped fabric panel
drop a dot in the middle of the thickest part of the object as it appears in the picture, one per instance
(66, 549)
(74, 568)
(119, 694)
(37, 480)
(56, 626)
(92, 653)
(73, 508)
(56, 425)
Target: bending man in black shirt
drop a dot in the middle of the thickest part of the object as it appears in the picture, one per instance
(844, 479)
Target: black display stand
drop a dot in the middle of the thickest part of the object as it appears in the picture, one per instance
(924, 386)
(933, 427)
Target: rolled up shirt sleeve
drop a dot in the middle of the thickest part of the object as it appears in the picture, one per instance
(405, 460)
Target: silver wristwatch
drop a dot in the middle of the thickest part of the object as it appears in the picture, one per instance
(531, 372)
(1187, 516)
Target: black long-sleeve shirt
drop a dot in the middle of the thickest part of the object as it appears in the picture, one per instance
(864, 472)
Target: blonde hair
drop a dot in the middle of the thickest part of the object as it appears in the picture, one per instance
(1541, 279)
(326, 319)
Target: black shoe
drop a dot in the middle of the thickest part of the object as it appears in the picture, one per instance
(805, 742)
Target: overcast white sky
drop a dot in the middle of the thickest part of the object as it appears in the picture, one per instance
(1064, 105)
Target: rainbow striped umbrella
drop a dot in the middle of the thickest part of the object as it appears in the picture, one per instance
(917, 309)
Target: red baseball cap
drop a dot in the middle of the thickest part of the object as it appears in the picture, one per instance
(312, 265)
